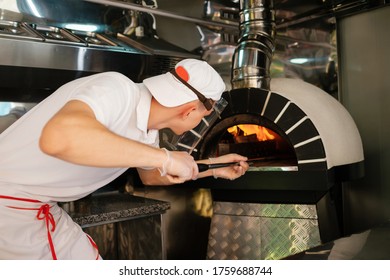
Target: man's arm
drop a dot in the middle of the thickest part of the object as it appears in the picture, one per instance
(74, 135)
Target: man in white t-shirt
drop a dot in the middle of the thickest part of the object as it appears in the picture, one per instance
(85, 135)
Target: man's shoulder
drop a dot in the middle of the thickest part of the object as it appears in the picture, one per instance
(111, 79)
(113, 74)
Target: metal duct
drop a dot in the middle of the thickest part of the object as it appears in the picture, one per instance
(253, 54)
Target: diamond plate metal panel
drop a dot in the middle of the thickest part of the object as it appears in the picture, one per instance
(266, 210)
(283, 237)
(234, 238)
(261, 231)
(236, 208)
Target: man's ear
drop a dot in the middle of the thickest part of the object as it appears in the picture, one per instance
(187, 111)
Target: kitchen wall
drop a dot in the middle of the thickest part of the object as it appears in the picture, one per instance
(364, 43)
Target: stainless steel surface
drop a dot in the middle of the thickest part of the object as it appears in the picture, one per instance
(309, 12)
(304, 50)
(135, 7)
(45, 44)
(54, 34)
(96, 39)
(33, 67)
(154, 47)
(18, 50)
(253, 55)
(302, 44)
(24, 53)
(82, 49)
(10, 29)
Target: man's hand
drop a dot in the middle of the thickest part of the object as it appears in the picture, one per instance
(230, 172)
(179, 167)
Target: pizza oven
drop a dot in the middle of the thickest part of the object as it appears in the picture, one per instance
(301, 143)
(299, 137)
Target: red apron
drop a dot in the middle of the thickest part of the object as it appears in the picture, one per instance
(43, 213)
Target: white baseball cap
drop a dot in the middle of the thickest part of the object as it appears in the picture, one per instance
(169, 91)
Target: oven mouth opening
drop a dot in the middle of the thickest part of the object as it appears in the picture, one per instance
(261, 141)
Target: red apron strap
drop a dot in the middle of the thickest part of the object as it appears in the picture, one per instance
(20, 199)
(94, 245)
(44, 214)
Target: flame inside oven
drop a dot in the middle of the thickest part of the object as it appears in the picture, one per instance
(255, 141)
(249, 132)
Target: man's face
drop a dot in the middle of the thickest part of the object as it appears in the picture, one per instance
(193, 119)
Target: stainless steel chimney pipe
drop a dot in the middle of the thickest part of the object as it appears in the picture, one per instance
(253, 54)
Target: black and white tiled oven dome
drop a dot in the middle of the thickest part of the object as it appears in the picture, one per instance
(323, 135)
(317, 130)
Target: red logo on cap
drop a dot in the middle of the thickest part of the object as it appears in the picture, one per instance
(182, 73)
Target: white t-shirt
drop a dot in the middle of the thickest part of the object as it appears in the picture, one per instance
(25, 171)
